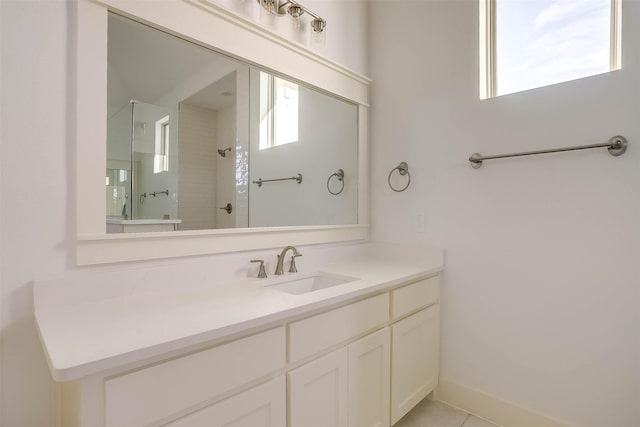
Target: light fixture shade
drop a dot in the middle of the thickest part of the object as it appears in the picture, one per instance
(268, 11)
(295, 11)
(318, 30)
(295, 23)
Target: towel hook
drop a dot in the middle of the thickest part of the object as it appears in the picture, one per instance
(403, 169)
(340, 176)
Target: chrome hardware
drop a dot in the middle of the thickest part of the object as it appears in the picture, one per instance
(157, 193)
(223, 152)
(295, 10)
(616, 146)
(297, 178)
(292, 267)
(262, 273)
(280, 264)
(228, 208)
(340, 177)
(403, 169)
(318, 25)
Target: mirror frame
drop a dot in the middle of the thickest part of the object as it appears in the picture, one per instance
(210, 25)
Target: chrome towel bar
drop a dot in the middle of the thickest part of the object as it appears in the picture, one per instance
(157, 193)
(297, 178)
(617, 145)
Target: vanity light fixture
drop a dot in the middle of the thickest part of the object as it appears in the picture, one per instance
(279, 8)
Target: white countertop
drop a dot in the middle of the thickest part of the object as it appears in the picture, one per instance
(85, 339)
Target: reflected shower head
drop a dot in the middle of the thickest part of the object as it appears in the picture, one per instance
(223, 152)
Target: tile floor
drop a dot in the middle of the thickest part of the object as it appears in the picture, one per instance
(430, 413)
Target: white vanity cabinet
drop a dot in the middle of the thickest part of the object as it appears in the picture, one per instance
(361, 363)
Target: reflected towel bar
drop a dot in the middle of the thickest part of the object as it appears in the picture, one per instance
(297, 178)
(617, 145)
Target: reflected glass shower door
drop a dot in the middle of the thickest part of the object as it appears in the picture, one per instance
(118, 175)
(142, 167)
(154, 162)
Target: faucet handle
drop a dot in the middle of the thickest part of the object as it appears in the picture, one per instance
(262, 273)
(292, 268)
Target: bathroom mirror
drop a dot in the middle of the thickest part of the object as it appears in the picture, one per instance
(197, 140)
(253, 49)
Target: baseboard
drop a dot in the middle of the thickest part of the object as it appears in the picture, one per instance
(491, 408)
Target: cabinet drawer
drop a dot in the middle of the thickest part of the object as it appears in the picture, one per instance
(312, 335)
(150, 394)
(414, 296)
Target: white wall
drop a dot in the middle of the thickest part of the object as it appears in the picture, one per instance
(540, 293)
(37, 170)
(38, 189)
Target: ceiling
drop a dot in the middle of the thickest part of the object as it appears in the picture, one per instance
(151, 66)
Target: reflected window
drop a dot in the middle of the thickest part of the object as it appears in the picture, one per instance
(161, 155)
(278, 111)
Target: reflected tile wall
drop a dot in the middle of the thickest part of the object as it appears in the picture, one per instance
(242, 147)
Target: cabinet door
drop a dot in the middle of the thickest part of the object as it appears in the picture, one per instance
(369, 371)
(261, 406)
(318, 392)
(414, 355)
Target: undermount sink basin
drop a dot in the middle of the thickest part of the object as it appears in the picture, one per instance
(310, 284)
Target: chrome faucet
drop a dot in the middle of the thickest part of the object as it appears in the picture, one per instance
(280, 265)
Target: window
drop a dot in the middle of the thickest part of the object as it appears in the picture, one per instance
(161, 152)
(278, 111)
(534, 43)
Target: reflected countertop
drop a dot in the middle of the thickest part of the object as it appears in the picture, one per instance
(122, 221)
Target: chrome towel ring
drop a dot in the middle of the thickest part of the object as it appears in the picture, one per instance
(403, 169)
(340, 176)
